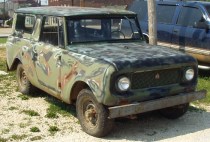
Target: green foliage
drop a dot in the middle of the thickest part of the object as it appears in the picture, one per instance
(13, 108)
(34, 129)
(51, 114)
(53, 129)
(31, 112)
(58, 107)
(36, 138)
(204, 83)
(3, 40)
(23, 97)
(18, 137)
(3, 140)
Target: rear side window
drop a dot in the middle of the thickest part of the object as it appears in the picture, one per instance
(25, 23)
(52, 31)
(189, 15)
(165, 13)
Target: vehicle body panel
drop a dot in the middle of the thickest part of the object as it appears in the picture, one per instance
(98, 66)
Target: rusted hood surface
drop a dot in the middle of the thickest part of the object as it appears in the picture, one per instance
(132, 55)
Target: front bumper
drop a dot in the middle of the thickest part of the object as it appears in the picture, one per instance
(135, 108)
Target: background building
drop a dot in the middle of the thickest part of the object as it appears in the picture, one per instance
(89, 3)
(7, 9)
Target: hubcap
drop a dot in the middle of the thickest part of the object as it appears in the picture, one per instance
(90, 114)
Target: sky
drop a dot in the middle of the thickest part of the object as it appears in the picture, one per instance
(43, 2)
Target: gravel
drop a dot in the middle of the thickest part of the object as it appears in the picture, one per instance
(16, 125)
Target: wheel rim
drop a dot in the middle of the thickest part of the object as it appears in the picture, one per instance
(23, 78)
(90, 114)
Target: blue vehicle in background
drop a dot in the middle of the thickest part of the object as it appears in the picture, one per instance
(182, 25)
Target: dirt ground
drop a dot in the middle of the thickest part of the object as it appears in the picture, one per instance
(16, 125)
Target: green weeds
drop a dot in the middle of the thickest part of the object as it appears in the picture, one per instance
(31, 112)
(3, 40)
(34, 129)
(53, 129)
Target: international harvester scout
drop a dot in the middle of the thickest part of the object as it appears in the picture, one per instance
(84, 56)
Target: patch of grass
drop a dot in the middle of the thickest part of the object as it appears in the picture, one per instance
(36, 138)
(204, 83)
(13, 108)
(18, 137)
(23, 97)
(34, 129)
(3, 139)
(59, 107)
(196, 109)
(5, 131)
(51, 114)
(3, 40)
(31, 112)
(53, 129)
(23, 125)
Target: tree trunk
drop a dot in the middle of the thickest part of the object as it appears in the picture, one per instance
(152, 22)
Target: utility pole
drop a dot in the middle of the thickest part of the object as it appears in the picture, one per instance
(152, 22)
(4, 12)
(82, 3)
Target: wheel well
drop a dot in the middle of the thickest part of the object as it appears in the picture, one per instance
(78, 86)
(15, 64)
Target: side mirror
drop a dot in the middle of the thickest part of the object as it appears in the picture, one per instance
(202, 25)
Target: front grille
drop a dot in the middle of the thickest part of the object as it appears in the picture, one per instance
(155, 78)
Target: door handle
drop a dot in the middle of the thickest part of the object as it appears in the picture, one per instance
(175, 30)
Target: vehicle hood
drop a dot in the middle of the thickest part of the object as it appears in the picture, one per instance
(132, 55)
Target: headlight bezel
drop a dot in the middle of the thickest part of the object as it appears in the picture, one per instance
(122, 78)
(189, 71)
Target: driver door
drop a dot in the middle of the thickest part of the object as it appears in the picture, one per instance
(48, 55)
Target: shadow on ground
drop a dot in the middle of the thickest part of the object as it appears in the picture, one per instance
(148, 126)
(153, 127)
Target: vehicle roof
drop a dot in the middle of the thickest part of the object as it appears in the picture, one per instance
(184, 2)
(72, 11)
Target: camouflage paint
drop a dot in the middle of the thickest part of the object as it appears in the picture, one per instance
(56, 70)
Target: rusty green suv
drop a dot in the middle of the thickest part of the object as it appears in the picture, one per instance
(84, 56)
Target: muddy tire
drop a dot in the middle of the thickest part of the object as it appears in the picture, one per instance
(175, 111)
(92, 116)
(24, 84)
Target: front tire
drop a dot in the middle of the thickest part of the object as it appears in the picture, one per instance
(175, 111)
(24, 85)
(92, 115)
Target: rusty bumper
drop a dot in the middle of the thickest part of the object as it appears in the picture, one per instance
(135, 108)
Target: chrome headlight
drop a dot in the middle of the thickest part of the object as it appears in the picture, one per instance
(123, 84)
(189, 74)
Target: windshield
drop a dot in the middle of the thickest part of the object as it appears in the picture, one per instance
(103, 29)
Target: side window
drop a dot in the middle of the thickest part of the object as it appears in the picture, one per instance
(52, 31)
(165, 13)
(25, 24)
(189, 16)
(140, 7)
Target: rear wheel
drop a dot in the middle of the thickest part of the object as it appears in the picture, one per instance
(93, 116)
(24, 84)
(175, 111)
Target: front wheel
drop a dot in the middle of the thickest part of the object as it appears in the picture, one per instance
(175, 111)
(92, 115)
